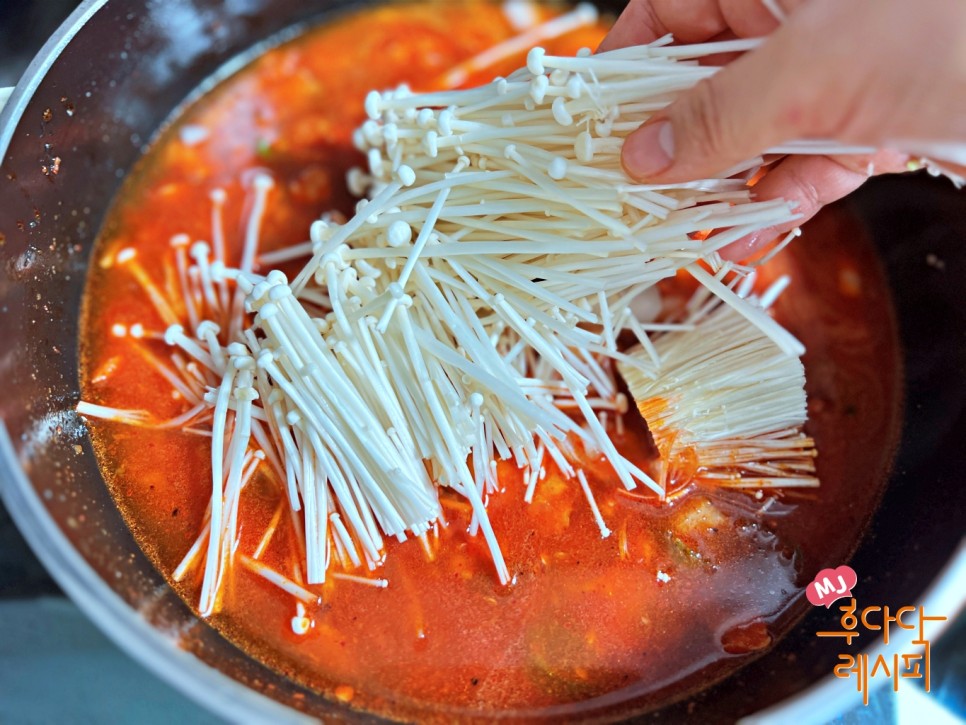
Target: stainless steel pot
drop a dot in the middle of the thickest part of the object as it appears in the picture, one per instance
(94, 97)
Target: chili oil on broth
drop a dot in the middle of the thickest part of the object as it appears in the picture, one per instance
(679, 595)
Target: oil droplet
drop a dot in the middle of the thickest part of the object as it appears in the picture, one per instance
(24, 263)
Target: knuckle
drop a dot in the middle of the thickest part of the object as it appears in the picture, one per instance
(648, 16)
(806, 193)
(705, 123)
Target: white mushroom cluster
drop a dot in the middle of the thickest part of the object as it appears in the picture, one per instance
(468, 312)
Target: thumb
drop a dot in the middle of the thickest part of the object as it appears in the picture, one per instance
(734, 115)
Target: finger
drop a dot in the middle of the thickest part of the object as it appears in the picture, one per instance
(811, 182)
(727, 118)
(643, 21)
(720, 59)
(756, 18)
(638, 24)
(748, 18)
(690, 21)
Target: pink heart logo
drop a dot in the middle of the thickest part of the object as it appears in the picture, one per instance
(830, 585)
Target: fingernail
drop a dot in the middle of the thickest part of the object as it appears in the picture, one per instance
(649, 150)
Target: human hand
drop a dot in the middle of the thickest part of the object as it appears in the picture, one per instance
(889, 74)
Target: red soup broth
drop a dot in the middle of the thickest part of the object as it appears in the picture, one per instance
(680, 595)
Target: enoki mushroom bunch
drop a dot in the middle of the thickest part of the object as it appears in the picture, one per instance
(467, 313)
(722, 402)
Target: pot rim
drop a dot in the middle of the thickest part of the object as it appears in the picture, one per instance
(159, 654)
(205, 685)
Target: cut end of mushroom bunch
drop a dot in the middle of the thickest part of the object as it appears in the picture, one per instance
(724, 403)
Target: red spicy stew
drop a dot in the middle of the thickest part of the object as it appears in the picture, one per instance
(680, 595)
